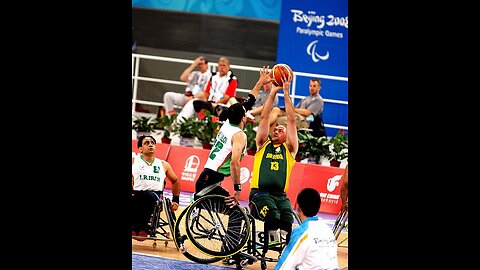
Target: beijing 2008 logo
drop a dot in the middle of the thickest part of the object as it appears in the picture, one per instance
(333, 182)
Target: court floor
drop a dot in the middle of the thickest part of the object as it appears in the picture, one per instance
(167, 249)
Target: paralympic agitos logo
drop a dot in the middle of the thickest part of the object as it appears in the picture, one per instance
(312, 51)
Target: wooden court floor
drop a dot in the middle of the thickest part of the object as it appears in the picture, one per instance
(168, 249)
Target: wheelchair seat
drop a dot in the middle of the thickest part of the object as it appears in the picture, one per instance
(317, 126)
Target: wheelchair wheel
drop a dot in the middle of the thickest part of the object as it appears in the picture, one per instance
(215, 228)
(340, 223)
(296, 218)
(155, 219)
(171, 218)
(185, 246)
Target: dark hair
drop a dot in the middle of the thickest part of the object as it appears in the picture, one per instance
(204, 59)
(309, 201)
(140, 140)
(234, 113)
(316, 80)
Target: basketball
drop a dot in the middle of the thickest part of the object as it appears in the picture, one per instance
(277, 72)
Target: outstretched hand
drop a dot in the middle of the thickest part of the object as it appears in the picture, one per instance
(286, 84)
(264, 75)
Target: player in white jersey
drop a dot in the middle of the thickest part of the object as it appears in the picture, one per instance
(224, 158)
(312, 245)
(148, 181)
(229, 148)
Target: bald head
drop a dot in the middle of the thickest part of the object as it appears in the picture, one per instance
(279, 134)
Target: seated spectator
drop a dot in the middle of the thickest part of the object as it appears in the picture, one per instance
(220, 90)
(306, 111)
(196, 81)
(262, 96)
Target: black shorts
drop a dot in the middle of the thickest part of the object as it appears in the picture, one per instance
(209, 177)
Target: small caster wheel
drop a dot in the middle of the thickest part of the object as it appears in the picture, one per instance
(166, 243)
(244, 263)
(154, 245)
(263, 265)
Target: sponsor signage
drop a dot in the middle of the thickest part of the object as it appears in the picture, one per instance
(187, 163)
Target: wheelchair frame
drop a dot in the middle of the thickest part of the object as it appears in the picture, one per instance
(341, 223)
(157, 223)
(250, 249)
(185, 246)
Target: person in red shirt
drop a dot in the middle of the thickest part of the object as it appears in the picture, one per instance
(220, 89)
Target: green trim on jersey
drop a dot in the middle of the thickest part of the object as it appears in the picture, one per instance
(225, 167)
(149, 163)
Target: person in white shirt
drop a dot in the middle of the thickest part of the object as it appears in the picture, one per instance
(196, 82)
(148, 181)
(229, 147)
(312, 244)
(220, 89)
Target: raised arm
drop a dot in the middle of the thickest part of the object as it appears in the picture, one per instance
(189, 69)
(264, 126)
(292, 136)
(263, 78)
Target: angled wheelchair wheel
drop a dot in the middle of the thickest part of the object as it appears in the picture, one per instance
(171, 218)
(340, 223)
(296, 218)
(161, 228)
(216, 229)
(156, 220)
(185, 246)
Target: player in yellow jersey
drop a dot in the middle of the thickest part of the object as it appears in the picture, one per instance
(273, 165)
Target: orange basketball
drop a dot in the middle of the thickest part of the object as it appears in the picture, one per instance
(277, 72)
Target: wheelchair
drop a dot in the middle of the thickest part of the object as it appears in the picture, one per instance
(341, 222)
(160, 227)
(208, 231)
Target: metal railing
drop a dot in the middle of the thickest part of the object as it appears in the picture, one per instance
(136, 58)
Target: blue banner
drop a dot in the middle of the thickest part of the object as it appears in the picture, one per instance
(313, 36)
(259, 9)
(313, 39)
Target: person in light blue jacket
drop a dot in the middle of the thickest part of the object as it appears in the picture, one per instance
(312, 245)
